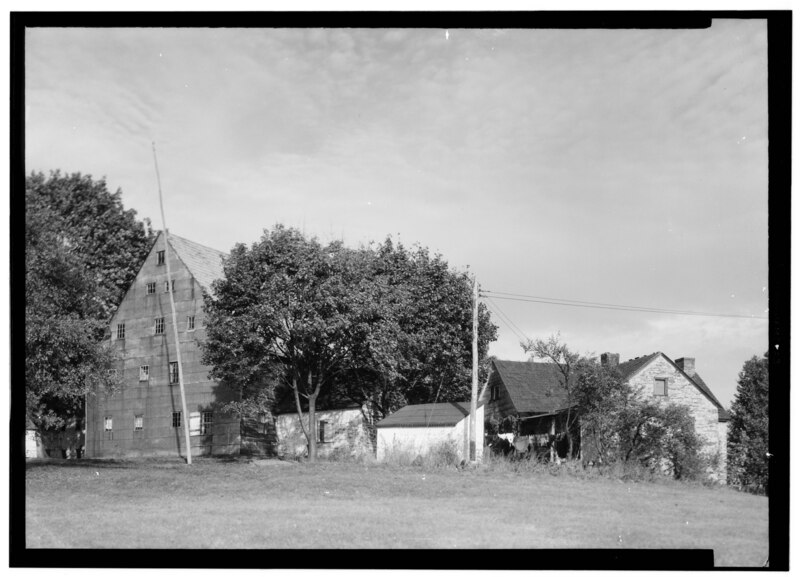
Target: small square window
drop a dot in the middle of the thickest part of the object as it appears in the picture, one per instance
(190, 323)
(144, 373)
(176, 420)
(138, 422)
(151, 288)
(121, 331)
(660, 387)
(206, 424)
(160, 257)
(173, 373)
(160, 326)
(166, 286)
(109, 424)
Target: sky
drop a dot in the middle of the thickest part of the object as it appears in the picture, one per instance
(626, 167)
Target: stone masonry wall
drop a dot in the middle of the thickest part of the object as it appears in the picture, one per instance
(681, 391)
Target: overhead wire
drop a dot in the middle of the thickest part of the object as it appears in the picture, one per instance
(608, 306)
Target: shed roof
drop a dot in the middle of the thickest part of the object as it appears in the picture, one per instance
(533, 387)
(204, 263)
(427, 415)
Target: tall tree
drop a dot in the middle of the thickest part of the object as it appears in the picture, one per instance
(82, 249)
(748, 434)
(110, 241)
(414, 326)
(281, 309)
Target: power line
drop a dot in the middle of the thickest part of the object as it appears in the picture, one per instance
(506, 320)
(596, 305)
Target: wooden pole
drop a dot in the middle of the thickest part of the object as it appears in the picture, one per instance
(174, 317)
(473, 406)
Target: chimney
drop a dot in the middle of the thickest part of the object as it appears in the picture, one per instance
(686, 364)
(609, 359)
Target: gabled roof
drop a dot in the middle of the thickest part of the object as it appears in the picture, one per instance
(533, 387)
(426, 415)
(204, 263)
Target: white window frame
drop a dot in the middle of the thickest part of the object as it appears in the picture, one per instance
(665, 390)
(160, 323)
(151, 288)
(144, 373)
(174, 375)
(108, 423)
(138, 422)
(120, 331)
(190, 323)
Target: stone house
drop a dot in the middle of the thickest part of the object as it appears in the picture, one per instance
(532, 394)
(145, 416)
(678, 382)
(417, 429)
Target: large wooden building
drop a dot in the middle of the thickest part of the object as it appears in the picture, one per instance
(145, 416)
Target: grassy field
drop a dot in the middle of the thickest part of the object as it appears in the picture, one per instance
(239, 504)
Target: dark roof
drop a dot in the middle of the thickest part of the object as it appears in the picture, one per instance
(427, 415)
(533, 387)
(627, 368)
(203, 262)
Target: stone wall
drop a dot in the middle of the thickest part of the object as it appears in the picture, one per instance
(681, 391)
(345, 434)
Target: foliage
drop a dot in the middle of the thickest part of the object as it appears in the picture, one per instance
(414, 331)
(748, 434)
(93, 224)
(618, 423)
(82, 250)
(381, 326)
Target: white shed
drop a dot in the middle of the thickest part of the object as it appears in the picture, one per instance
(416, 429)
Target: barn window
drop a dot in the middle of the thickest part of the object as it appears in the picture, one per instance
(138, 422)
(190, 323)
(176, 419)
(151, 288)
(660, 387)
(121, 331)
(322, 431)
(160, 326)
(160, 257)
(206, 423)
(167, 285)
(144, 373)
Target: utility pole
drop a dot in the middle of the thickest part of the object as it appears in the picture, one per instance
(473, 406)
(174, 317)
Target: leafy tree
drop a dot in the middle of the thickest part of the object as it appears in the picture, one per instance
(82, 250)
(110, 241)
(748, 433)
(382, 327)
(280, 311)
(64, 357)
(413, 320)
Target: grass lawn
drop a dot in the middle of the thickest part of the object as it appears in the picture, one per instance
(237, 504)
